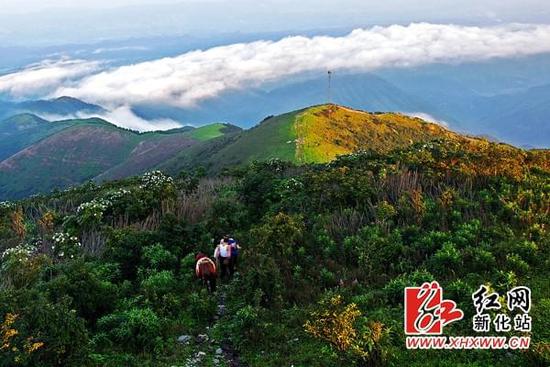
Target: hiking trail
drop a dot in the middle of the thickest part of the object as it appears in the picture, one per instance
(224, 354)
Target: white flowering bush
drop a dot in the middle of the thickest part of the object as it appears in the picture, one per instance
(288, 187)
(276, 165)
(117, 195)
(92, 212)
(20, 253)
(120, 200)
(20, 266)
(14, 258)
(293, 184)
(96, 206)
(155, 180)
(6, 205)
(66, 246)
(156, 186)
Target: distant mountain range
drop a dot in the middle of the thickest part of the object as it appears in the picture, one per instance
(38, 156)
(62, 106)
(245, 108)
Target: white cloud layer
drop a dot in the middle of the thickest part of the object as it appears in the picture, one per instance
(46, 76)
(187, 79)
(427, 117)
(121, 116)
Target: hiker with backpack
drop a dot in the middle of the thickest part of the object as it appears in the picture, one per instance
(234, 255)
(222, 253)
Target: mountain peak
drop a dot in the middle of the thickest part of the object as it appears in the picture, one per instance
(24, 118)
(326, 131)
(59, 106)
(67, 99)
(22, 121)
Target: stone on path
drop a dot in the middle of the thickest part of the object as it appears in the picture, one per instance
(201, 338)
(184, 339)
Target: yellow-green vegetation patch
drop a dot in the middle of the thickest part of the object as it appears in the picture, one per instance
(327, 131)
(208, 132)
(317, 140)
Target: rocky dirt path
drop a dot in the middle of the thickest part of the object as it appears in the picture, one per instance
(230, 355)
(222, 353)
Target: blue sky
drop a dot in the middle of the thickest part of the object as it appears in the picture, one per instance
(50, 22)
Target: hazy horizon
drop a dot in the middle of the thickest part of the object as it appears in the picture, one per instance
(54, 22)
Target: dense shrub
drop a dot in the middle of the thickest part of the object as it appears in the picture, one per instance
(82, 284)
(136, 330)
(63, 335)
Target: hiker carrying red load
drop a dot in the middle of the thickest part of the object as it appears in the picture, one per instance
(206, 270)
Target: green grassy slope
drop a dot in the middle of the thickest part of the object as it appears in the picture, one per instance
(20, 131)
(156, 148)
(66, 153)
(274, 137)
(72, 156)
(147, 153)
(208, 132)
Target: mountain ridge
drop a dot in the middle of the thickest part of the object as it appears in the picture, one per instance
(95, 149)
(335, 130)
(65, 153)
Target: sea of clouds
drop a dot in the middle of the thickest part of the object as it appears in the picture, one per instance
(186, 80)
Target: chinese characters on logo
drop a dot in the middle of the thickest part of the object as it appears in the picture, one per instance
(427, 312)
(518, 298)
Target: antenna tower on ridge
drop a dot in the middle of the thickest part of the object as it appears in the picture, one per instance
(329, 91)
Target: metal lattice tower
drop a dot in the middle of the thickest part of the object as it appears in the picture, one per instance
(329, 91)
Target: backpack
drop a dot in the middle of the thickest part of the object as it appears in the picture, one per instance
(234, 247)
